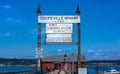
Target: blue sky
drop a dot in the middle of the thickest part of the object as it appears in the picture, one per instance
(100, 33)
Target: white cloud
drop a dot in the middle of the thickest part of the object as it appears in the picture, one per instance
(10, 19)
(14, 20)
(102, 54)
(97, 53)
(106, 57)
(97, 57)
(94, 57)
(90, 51)
(34, 31)
(59, 50)
(7, 6)
(5, 34)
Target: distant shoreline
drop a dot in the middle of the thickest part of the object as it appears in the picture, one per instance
(32, 62)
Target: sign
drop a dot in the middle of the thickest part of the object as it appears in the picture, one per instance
(59, 35)
(82, 70)
(59, 38)
(59, 28)
(38, 53)
(58, 19)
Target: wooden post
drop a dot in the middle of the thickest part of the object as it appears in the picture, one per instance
(79, 48)
(39, 60)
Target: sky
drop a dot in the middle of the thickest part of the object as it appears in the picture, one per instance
(100, 33)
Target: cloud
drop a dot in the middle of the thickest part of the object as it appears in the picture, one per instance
(5, 34)
(59, 50)
(106, 57)
(14, 20)
(89, 51)
(10, 19)
(7, 6)
(106, 2)
(97, 54)
(34, 31)
(103, 53)
(97, 57)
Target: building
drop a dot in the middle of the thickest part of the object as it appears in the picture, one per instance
(59, 62)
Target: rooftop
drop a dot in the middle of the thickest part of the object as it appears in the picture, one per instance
(60, 58)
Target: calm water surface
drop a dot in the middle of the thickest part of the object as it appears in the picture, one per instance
(15, 68)
(91, 69)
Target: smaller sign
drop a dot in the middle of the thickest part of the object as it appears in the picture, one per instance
(52, 35)
(38, 53)
(59, 38)
(58, 28)
(82, 70)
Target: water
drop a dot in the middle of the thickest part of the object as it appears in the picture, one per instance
(91, 69)
(15, 68)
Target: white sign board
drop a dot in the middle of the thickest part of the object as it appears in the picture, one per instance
(82, 71)
(58, 19)
(59, 28)
(59, 38)
(38, 53)
(59, 35)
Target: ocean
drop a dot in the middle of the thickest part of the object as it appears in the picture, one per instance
(15, 68)
(91, 69)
